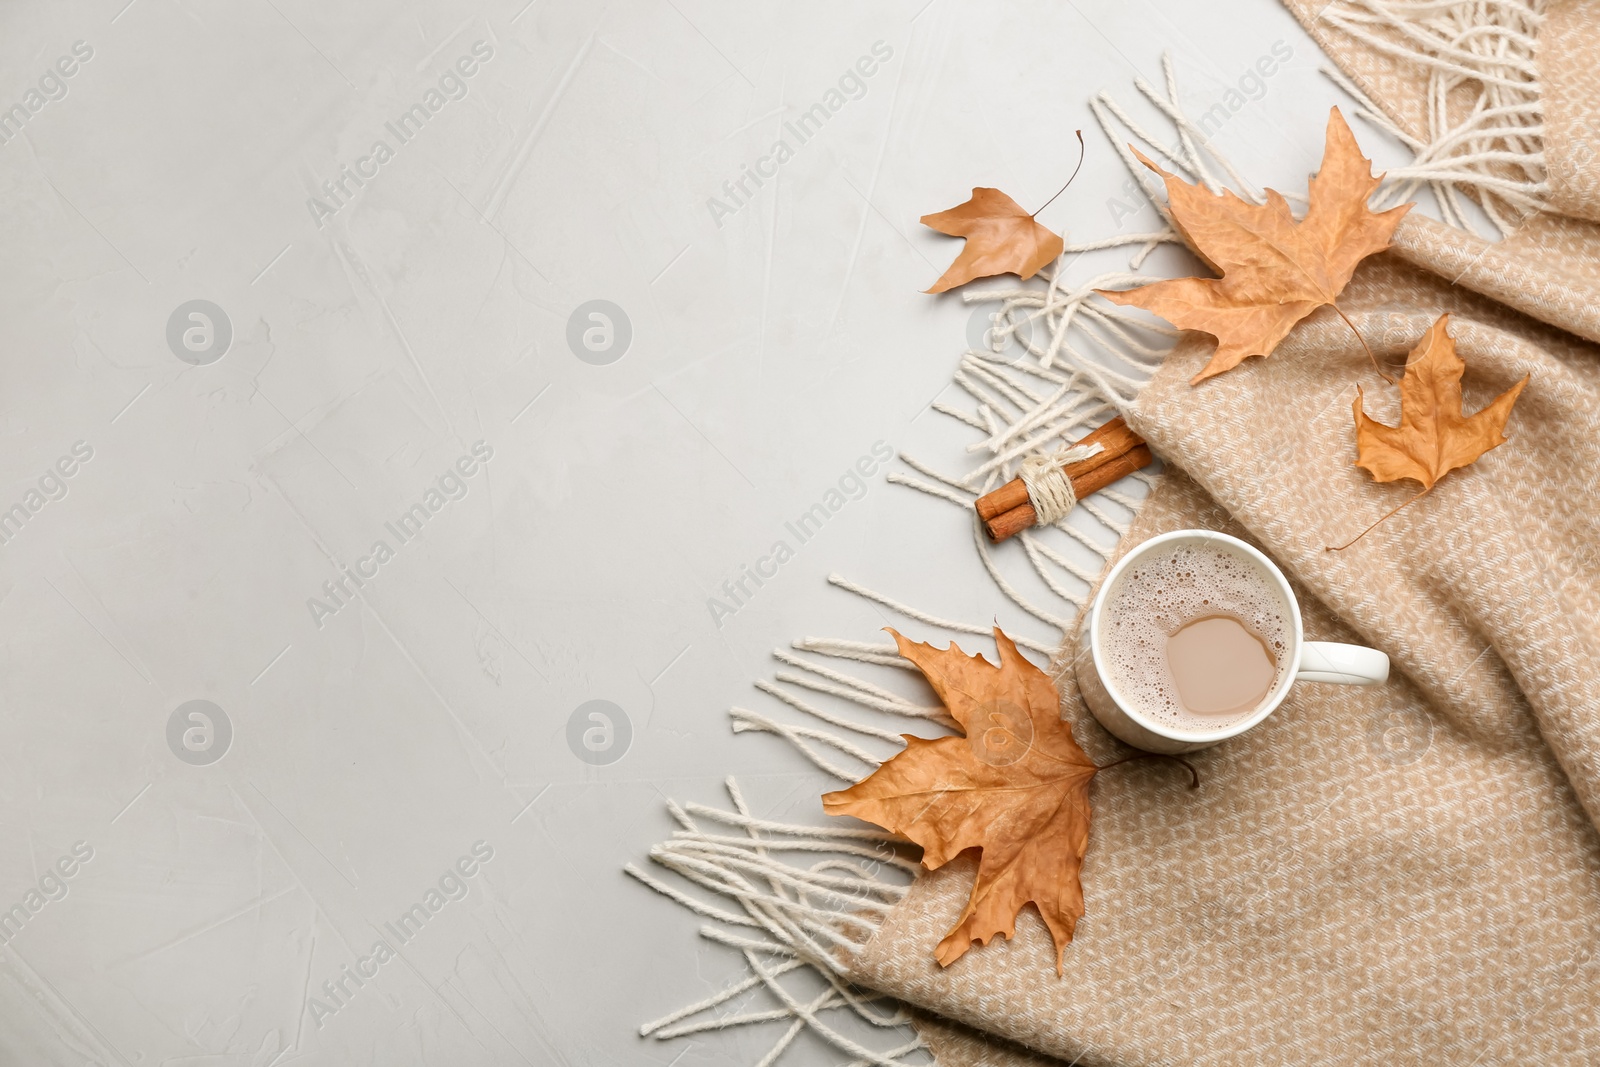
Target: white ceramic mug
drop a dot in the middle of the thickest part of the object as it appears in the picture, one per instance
(1313, 661)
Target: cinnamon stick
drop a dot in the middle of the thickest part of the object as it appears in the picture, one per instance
(1114, 436)
(1021, 517)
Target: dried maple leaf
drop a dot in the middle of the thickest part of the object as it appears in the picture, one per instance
(1001, 239)
(1275, 271)
(1016, 786)
(1434, 436)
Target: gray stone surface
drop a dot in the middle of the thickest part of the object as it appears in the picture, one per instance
(372, 498)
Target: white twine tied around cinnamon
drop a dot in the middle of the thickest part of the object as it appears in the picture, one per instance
(1049, 489)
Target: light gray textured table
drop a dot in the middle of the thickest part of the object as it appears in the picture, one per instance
(309, 416)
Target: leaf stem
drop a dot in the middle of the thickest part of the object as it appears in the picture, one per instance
(1081, 150)
(1369, 529)
(1194, 775)
(1363, 341)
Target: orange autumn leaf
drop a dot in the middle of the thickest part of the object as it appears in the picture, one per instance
(1275, 271)
(1434, 436)
(1016, 786)
(1001, 239)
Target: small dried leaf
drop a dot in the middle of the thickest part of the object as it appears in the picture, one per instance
(1434, 436)
(1015, 786)
(1275, 271)
(1001, 239)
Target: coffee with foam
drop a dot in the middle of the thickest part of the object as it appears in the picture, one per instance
(1195, 636)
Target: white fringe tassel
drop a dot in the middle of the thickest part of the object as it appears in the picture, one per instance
(808, 919)
(1485, 134)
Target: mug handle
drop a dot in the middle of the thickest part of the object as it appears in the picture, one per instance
(1330, 661)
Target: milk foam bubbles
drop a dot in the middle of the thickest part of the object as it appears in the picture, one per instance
(1165, 591)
